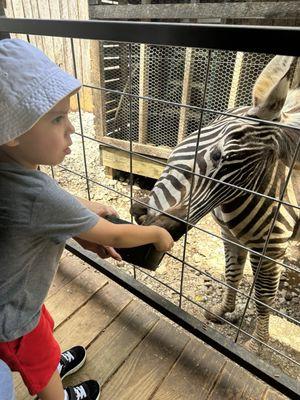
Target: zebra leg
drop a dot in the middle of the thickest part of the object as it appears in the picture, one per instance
(235, 258)
(266, 286)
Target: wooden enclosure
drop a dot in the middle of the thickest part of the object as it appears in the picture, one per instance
(175, 75)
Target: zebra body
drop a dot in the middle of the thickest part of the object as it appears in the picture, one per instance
(234, 153)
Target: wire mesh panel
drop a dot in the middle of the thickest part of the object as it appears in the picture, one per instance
(176, 75)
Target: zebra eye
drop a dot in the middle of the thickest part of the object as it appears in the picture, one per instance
(216, 155)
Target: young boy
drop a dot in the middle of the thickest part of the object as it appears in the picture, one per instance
(37, 217)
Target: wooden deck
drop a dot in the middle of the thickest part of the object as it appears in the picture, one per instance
(132, 351)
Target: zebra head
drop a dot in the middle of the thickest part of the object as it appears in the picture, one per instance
(231, 153)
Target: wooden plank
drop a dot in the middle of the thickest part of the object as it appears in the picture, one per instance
(147, 366)
(101, 309)
(99, 96)
(236, 383)
(272, 394)
(270, 10)
(28, 14)
(146, 149)
(195, 373)
(186, 93)
(58, 42)
(87, 95)
(68, 59)
(44, 13)
(236, 77)
(118, 340)
(69, 268)
(15, 10)
(74, 295)
(120, 160)
(39, 40)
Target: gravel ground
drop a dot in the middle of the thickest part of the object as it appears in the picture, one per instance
(204, 253)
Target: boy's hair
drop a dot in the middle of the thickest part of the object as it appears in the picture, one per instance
(30, 86)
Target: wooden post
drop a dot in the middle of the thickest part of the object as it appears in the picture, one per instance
(143, 91)
(186, 93)
(99, 97)
(235, 79)
(144, 88)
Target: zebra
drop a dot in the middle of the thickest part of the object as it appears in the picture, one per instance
(249, 153)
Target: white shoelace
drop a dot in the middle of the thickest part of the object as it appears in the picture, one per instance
(80, 392)
(68, 356)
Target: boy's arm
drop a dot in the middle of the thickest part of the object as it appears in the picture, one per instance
(106, 233)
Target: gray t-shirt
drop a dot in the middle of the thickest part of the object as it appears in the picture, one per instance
(36, 219)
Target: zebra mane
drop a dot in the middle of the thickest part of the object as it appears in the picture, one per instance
(290, 113)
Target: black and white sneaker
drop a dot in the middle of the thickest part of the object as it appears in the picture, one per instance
(71, 360)
(88, 390)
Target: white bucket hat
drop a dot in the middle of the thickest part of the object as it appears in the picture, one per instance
(30, 85)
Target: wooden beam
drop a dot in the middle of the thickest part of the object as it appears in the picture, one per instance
(245, 10)
(120, 160)
(186, 93)
(99, 96)
(143, 92)
(145, 149)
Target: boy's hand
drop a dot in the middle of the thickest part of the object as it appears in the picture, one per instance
(164, 241)
(101, 251)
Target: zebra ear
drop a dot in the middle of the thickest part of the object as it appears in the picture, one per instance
(271, 88)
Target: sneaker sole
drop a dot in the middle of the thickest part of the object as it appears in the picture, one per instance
(75, 369)
(98, 396)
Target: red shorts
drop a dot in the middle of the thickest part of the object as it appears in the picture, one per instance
(35, 355)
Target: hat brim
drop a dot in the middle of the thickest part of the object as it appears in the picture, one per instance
(34, 105)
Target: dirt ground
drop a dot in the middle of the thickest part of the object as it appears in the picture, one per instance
(204, 253)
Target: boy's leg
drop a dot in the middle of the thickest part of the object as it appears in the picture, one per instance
(54, 390)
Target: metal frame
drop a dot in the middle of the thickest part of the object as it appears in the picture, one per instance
(259, 39)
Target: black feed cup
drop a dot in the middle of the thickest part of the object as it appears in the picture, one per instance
(145, 256)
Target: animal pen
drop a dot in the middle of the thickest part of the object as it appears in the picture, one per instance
(176, 78)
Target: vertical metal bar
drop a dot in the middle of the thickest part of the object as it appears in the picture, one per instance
(267, 239)
(52, 172)
(81, 125)
(193, 177)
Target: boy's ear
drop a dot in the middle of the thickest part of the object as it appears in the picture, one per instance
(13, 143)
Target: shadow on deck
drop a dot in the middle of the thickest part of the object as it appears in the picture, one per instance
(135, 353)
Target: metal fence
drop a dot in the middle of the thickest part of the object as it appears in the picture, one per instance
(224, 41)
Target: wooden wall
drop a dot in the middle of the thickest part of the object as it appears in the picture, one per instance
(59, 49)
